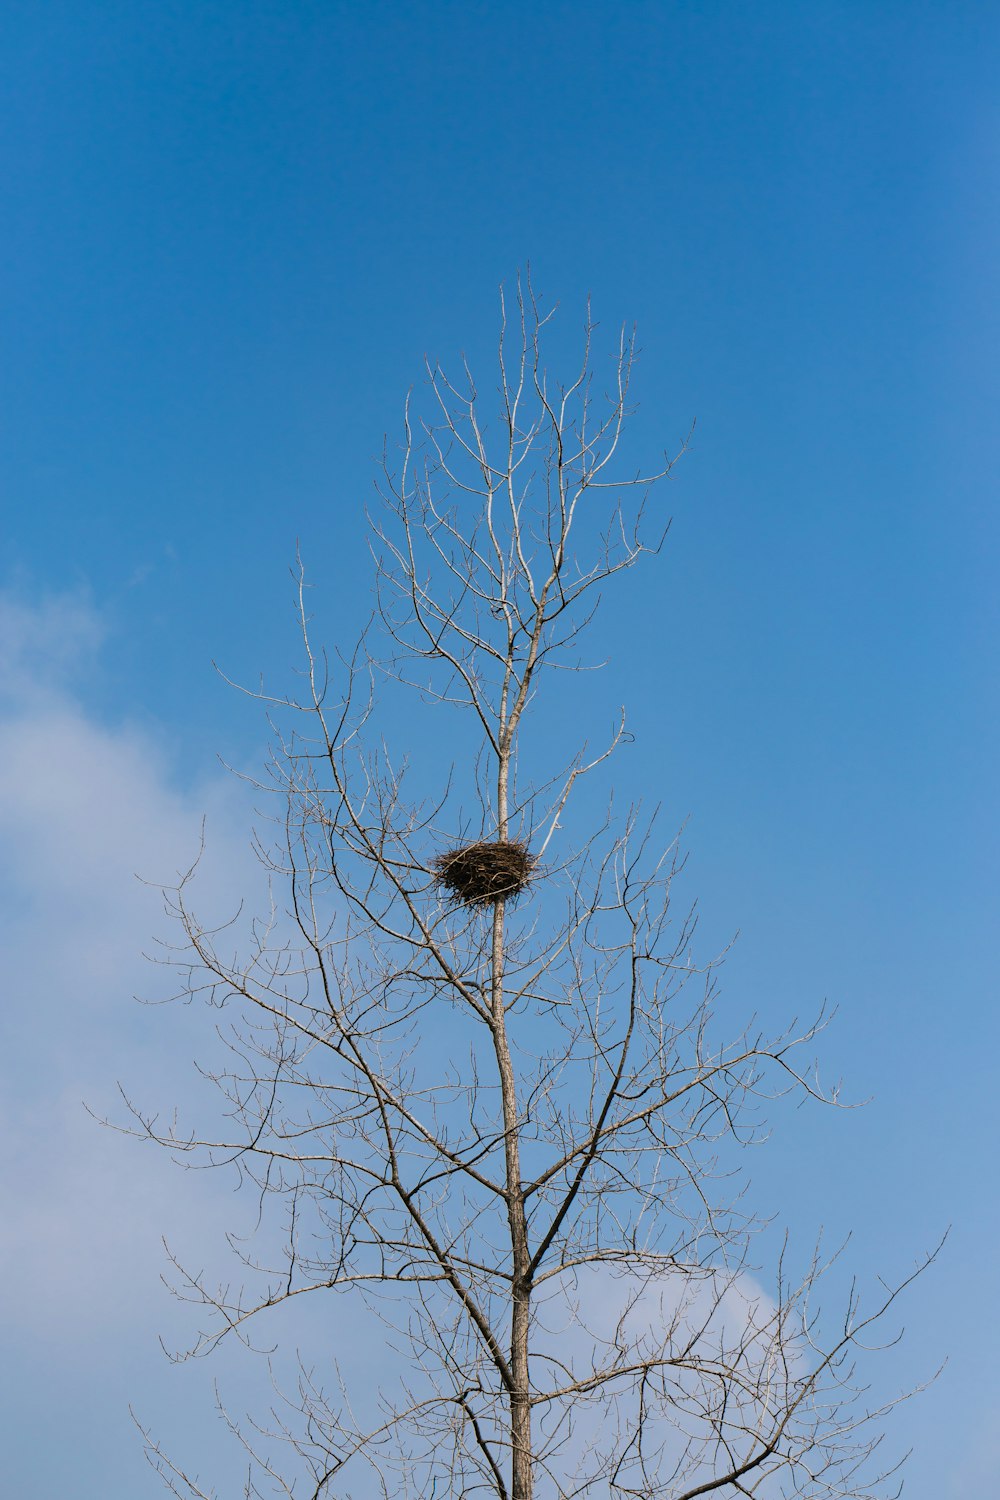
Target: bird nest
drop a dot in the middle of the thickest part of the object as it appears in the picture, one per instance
(482, 874)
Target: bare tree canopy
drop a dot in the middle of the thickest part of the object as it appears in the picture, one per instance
(540, 1208)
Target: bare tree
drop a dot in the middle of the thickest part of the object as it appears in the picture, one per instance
(545, 1209)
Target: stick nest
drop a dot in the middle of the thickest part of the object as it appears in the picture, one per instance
(482, 874)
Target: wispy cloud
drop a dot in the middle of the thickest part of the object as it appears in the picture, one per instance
(85, 806)
(43, 642)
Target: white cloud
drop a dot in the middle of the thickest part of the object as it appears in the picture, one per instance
(598, 1310)
(42, 644)
(84, 807)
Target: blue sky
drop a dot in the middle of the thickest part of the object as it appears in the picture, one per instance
(231, 234)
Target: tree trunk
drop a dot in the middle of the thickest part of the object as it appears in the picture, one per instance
(520, 1404)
